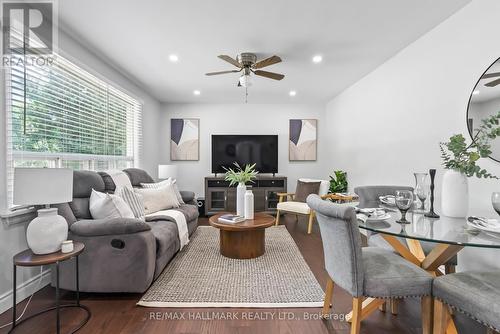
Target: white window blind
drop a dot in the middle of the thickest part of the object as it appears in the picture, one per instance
(63, 116)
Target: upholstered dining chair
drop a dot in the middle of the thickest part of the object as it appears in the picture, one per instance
(365, 272)
(477, 294)
(369, 197)
(296, 202)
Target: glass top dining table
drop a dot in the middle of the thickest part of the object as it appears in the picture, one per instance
(443, 230)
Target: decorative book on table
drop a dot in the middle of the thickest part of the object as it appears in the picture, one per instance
(231, 219)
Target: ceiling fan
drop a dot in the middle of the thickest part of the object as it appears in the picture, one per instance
(493, 83)
(247, 63)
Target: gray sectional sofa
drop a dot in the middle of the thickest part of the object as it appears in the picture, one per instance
(121, 255)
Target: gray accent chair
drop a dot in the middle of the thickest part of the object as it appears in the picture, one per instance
(476, 294)
(365, 272)
(121, 255)
(369, 197)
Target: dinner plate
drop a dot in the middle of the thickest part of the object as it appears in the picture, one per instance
(379, 218)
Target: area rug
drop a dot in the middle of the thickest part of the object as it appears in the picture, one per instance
(199, 276)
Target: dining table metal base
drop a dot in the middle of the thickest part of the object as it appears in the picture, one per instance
(414, 253)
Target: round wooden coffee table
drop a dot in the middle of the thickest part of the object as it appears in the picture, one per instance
(245, 240)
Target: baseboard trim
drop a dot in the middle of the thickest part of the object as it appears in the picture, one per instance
(24, 290)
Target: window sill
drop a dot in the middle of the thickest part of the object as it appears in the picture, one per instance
(20, 216)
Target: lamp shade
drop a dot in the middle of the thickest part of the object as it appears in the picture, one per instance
(166, 171)
(39, 186)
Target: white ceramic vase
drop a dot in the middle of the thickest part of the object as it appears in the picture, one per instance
(240, 199)
(248, 204)
(454, 194)
(46, 232)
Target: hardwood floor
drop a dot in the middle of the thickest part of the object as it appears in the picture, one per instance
(117, 313)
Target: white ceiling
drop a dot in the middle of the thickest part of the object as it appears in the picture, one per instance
(354, 38)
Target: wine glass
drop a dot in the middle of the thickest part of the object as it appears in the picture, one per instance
(495, 201)
(422, 192)
(404, 201)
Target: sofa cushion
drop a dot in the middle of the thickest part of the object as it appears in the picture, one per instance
(167, 242)
(190, 211)
(84, 181)
(158, 199)
(138, 176)
(80, 208)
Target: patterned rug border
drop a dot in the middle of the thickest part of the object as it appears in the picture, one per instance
(230, 304)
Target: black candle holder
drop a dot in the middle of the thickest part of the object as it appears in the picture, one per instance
(431, 213)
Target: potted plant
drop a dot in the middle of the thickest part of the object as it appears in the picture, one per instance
(460, 161)
(240, 176)
(338, 182)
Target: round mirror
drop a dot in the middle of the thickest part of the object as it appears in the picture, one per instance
(484, 102)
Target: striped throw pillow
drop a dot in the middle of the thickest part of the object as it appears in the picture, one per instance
(134, 201)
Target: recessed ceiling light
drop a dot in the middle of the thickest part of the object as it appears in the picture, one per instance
(196, 92)
(173, 58)
(292, 93)
(317, 59)
(475, 92)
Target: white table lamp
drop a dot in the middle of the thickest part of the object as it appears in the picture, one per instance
(166, 171)
(44, 186)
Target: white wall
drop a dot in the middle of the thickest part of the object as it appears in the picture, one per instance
(388, 125)
(256, 119)
(13, 239)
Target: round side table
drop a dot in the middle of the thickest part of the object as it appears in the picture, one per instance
(28, 259)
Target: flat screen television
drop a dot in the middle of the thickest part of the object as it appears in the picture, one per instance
(261, 150)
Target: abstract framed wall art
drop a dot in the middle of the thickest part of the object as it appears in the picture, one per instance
(303, 140)
(184, 139)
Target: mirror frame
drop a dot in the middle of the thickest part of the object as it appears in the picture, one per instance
(469, 130)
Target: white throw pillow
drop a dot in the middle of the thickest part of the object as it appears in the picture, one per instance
(158, 199)
(134, 201)
(164, 183)
(103, 206)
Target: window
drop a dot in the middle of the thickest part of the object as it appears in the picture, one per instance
(60, 115)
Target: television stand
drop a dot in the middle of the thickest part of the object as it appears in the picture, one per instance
(220, 197)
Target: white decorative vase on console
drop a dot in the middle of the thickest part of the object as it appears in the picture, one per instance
(454, 194)
(240, 199)
(248, 204)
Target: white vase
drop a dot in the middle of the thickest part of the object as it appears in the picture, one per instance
(454, 194)
(248, 204)
(46, 232)
(240, 199)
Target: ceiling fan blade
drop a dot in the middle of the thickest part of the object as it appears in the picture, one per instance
(268, 61)
(491, 75)
(493, 83)
(222, 72)
(230, 60)
(270, 75)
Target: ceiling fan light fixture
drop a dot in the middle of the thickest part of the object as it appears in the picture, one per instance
(245, 80)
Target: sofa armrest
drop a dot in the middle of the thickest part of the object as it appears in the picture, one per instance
(113, 226)
(187, 196)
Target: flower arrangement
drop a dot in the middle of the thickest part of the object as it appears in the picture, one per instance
(462, 157)
(240, 175)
